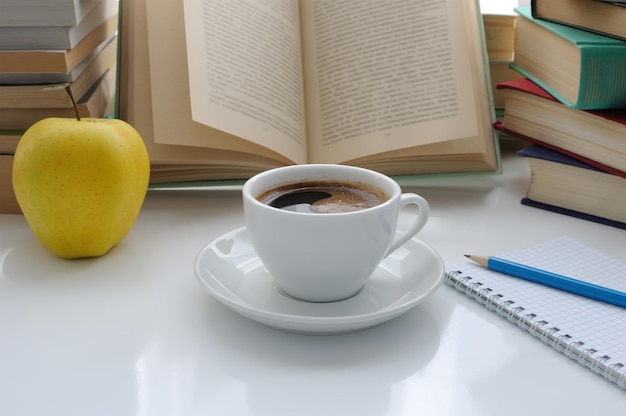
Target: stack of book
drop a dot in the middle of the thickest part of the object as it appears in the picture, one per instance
(572, 106)
(46, 46)
(499, 24)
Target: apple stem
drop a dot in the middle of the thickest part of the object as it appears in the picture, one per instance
(69, 92)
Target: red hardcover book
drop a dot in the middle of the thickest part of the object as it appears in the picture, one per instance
(596, 137)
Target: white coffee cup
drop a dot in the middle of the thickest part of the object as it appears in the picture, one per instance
(326, 257)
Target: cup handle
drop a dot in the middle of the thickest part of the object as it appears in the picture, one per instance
(418, 224)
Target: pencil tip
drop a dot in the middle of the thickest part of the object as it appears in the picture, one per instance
(467, 255)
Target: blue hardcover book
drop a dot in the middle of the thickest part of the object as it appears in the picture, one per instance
(568, 186)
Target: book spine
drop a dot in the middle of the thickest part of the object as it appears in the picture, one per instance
(602, 80)
(564, 343)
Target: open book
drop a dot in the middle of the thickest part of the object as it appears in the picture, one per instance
(223, 90)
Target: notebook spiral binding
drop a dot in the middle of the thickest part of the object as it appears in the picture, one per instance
(531, 323)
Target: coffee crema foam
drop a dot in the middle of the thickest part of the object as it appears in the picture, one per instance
(323, 197)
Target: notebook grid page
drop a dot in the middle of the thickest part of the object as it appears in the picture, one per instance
(584, 319)
(596, 329)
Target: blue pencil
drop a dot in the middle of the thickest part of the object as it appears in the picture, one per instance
(567, 284)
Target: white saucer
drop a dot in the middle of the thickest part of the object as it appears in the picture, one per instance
(230, 269)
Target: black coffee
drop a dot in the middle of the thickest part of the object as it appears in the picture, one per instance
(323, 197)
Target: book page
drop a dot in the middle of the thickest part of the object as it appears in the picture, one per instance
(250, 119)
(154, 98)
(384, 76)
(245, 71)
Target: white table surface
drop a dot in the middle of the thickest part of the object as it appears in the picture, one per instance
(133, 332)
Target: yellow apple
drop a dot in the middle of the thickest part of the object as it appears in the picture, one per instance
(80, 183)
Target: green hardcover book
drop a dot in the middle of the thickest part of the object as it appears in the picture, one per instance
(581, 69)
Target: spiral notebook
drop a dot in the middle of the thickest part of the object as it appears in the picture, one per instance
(591, 332)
